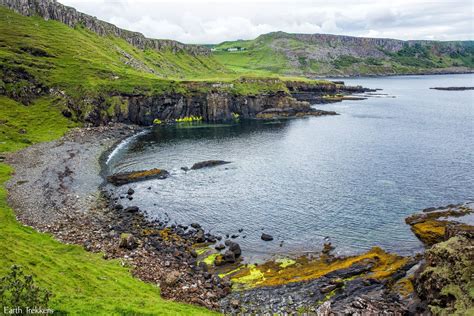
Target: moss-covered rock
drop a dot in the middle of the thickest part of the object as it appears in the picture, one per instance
(135, 176)
(446, 283)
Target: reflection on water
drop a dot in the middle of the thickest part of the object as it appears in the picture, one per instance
(352, 178)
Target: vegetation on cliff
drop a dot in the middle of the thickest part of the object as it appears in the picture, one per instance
(320, 54)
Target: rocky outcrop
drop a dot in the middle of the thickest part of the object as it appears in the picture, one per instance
(453, 88)
(316, 93)
(436, 225)
(212, 106)
(208, 164)
(444, 281)
(52, 10)
(215, 103)
(136, 176)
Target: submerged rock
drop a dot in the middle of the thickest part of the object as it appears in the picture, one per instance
(208, 164)
(135, 176)
(266, 237)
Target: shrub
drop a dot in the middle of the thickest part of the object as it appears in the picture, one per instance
(20, 290)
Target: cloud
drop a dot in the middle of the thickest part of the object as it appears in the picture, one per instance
(214, 21)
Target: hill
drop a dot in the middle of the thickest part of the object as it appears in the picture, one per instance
(334, 55)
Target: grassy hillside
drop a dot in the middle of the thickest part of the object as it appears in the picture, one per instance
(82, 283)
(300, 54)
(78, 60)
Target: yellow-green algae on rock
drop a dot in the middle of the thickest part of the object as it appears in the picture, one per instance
(430, 227)
(274, 273)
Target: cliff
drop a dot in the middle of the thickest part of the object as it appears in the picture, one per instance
(52, 10)
(213, 102)
(336, 55)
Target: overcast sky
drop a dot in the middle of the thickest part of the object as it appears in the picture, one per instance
(203, 21)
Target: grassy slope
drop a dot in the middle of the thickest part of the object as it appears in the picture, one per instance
(265, 55)
(82, 282)
(257, 57)
(81, 63)
(77, 58)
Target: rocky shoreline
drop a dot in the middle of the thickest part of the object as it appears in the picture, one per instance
(55, 189)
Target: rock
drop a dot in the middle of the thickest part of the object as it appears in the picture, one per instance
(118, 207)
(195, 225)
(208, 163)
(132, 209)
(130, 191)
(448, 270)
(219, 261)
(453, 88)
(234, 236)
(185, 169)
(172, 278)
(234, 247)
(127, 241)
(266, 237)
(327, 288)
(135, 176)
(219, 247)
(203, 266)
(234, 303)
(327, 249)
(200, 236)
(229, 257)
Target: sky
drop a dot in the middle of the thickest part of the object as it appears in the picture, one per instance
(215, 21)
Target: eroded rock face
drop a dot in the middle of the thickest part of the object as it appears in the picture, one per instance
(213, 106)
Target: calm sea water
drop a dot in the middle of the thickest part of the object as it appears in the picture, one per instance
(351, 178)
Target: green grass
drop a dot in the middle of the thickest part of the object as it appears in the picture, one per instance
(83, 283)
(257, 58)
(284, 54)
(79, 61)
(22, 125)
(87, 66)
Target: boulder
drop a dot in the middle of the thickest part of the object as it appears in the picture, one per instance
(229, 257)
(172, 278)
(266, 237)
(132, 209)
(127, 241)
(234, 247)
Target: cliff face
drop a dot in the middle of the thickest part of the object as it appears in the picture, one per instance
(214, 105)
(52, 10)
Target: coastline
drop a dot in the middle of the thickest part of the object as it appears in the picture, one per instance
(174, 257)
(63, 196)
(467, 72)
